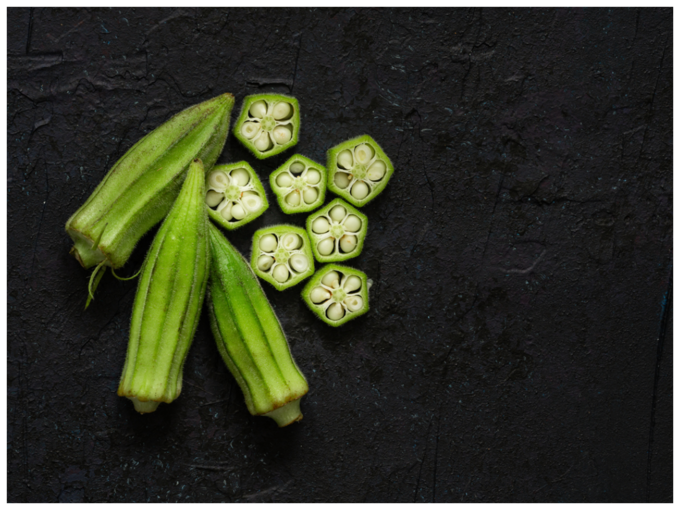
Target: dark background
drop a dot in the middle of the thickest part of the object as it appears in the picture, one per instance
(518, 347)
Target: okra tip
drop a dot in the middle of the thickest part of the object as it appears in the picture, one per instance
(144, 407)
(285, 415)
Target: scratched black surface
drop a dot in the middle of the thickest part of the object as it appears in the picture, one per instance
(519, 344)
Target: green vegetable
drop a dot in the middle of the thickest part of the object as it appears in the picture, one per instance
(337, 231)
(299, 185)
(249, 337)
(282, 255)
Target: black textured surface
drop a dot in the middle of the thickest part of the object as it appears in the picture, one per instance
(519, 344)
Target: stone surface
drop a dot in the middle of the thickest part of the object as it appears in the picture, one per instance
(518, 346)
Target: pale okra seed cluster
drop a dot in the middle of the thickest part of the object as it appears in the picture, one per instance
(299, 184)
(282, 256)
(335, 231)
(233, 194)
(359, 170)
(338, 295)
(269, 124)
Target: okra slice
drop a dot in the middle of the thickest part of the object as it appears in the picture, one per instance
(337, 231)
(234, 195)
(299, 185)
(282, 256)
(168, 301)
(358, 170)
(250, 338)
(337, 294)
(269, 124)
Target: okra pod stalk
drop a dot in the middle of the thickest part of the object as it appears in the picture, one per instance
(250, 338)
(168, 300)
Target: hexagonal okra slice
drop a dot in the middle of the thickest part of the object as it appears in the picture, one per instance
(337, 231)
(268, 124)
(234, 195)
(299, 185)
(358, 170)
(337, 294)
(281, 255)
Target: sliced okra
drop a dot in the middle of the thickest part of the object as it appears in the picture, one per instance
(299, 185)
(269, 124)
(337, 231)
(234, 195)
(337, 294)
(282, 255)
(358, 170)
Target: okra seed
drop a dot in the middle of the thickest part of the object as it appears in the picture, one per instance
(265, 262)
(360, 190)
(352, 223)
(263, 142)
(348, 243)
(313, 176)
(352, 283)
(309, 195)
(238, 212)
(291, 241)
(320, 225)
(297, 167)
(218, 180)
(354, 303)
(364, 153)
(319, 295)
(268, 243)
(326, 246)
(376, 171)
(335, 312)
(250, 129)
(258, 109)
(282, 134)
(299, 262)
(240, 176)
(281, 273)
(341, 180)
(331, 279)
(345, 160)
(293, 198)
(251, 201)
(338, 213)
(213, 198)
(284, 180)
(226, 211)
(282, 110)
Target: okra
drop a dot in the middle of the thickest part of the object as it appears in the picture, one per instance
(337, 294)
(168, 302)
(235, 195)
(299, 185)
(141, 187)
(268, 124)
(337, 231)
(250, 338)
(358, 170)
(282, 255)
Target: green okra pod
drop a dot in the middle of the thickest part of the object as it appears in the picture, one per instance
(250, 338)
(168, 301)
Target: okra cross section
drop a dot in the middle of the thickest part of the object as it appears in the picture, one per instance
(337, 231)
(235, 195)
(358, 170)
(299, 185)
(269, 124)
(337, 294)
(282, 255)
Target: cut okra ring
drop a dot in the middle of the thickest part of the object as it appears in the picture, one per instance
(358, 170)
(337, 231)
(337, 294)
(234, 195)
(282, 256)
(269, 124)
(299, 185)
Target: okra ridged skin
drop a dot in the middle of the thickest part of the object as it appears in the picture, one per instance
(141, 187)
(168, 302)
(250, 338)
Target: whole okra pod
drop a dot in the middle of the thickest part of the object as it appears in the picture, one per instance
(168, 300)
(250, 338)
